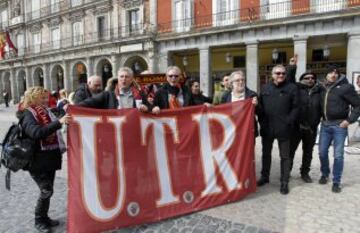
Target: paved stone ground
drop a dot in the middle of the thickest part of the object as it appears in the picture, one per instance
(308, 208)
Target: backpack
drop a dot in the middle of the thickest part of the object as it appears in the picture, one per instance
(17, 150)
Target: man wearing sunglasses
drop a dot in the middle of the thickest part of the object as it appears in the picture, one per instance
(277, 113)
(172, 95)
(308, 120)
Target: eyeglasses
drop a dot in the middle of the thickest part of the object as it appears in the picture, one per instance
(308, 78)
(279, 73)
(173, 76)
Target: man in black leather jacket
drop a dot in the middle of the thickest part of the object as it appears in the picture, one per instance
(308, 120)
(277, 113)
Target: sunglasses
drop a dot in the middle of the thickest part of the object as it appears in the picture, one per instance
(308, 78)
(280, 73)
(173, 76)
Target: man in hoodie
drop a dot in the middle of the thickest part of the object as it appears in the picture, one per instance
(87, 90)
(308, 120)
(336, 100)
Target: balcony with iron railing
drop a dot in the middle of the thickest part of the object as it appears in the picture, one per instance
(69, 42)
(258, 14)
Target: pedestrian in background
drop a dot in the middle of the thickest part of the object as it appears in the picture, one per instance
(335, 103)
(197, 97)
(6, 97)
(305, 129)
(40, 124)
(225, 86)
(277, 113)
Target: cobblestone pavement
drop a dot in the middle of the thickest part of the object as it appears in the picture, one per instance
(308, 207)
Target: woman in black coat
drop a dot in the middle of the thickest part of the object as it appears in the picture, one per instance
(41, 125)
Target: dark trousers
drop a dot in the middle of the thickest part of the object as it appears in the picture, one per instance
(45, 182)
(284, 149)
(308, 138)
(6, 102)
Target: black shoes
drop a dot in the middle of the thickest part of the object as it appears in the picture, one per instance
(51, 222)
(42, 227)
(306, 178)
(284, 188)
(336, 188)
(262, 181)
(323, 180)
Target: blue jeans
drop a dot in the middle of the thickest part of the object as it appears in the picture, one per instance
(338, 135)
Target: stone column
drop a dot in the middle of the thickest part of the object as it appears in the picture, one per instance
(47, 81)
(163, 61)
(206, 83)
(90, 66)
(252, 65)
(29, 81)
(153, 15)
(353, 55)
(114, 64)
(14, 89)
(68, 83)
(300, 48)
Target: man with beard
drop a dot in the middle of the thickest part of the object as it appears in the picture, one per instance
(308, 120)
(86, 90)
(335, 104)
(225, 87)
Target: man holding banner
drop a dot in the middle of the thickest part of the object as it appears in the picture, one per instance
(125, 95)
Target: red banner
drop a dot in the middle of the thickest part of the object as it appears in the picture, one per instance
(127, 168)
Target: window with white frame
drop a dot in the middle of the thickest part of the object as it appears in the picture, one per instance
(37, 42)
(226, 12)
(134, 20)
(20, 43)
(4, 19)
(55, 38)
(182, 15)
(76, 2)
(55, 6)
(329, 5)
(35, 9)
(78, 33)
(278, 9)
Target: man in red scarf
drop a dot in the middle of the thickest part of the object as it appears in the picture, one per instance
(172, 95)
(125, 95)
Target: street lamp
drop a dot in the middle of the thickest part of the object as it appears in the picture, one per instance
(228, 57)
(275, 55)
(326, 52)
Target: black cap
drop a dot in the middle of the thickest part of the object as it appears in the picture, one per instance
(308, 73)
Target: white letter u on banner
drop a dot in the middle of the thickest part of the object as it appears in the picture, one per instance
(90, 184)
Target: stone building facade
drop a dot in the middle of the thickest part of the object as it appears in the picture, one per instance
(60, 43)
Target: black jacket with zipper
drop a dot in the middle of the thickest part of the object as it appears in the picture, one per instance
(309, 105)
(278, 109)
(336, 101)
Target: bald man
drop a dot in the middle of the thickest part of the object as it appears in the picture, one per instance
(86, 90)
